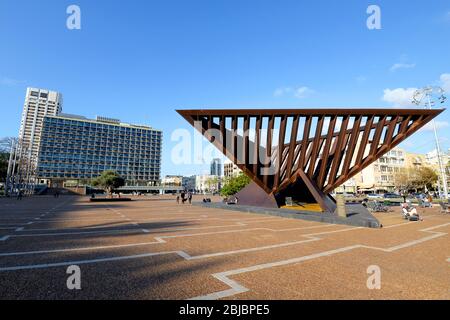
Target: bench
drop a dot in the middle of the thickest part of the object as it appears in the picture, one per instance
(444, 207)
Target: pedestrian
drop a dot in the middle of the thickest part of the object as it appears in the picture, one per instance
(183, 197)
(19, 195)
(404, 195)
(178, 198)
(190, 197)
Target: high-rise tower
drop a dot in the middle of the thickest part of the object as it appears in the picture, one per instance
(38, 104)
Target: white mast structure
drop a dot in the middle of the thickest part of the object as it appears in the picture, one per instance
(428, 97)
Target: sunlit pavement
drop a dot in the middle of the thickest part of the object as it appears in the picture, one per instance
(154, 248)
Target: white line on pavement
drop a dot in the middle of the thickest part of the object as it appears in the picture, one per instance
(76, 233)
(236, 288)
(160, 240)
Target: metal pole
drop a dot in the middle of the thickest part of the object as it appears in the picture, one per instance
(15, 166)
(10, 165)
(438, 149)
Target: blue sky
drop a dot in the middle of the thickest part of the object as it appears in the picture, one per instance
(140, 60)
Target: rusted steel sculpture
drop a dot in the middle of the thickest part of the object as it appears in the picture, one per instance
(304, 153)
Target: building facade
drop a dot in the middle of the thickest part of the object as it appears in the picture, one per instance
(188, 183)
(230, 169)
(207, 183)
(216, 167)
(433, 159)
(38, 104)
(172, 181)
(74, 149)
(415, 160)
(379, 177)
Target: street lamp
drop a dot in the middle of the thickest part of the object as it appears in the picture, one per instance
(430, 96)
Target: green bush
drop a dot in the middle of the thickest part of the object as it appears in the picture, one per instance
(108, 181)
(234, 185)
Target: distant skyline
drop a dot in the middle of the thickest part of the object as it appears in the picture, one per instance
(140, 61)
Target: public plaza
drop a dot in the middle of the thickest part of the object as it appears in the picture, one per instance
(154, 248)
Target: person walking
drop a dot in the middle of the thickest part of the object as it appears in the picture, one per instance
(178, 199)
(190, 197)
(19, 195)
(183, 197)
(430, 200)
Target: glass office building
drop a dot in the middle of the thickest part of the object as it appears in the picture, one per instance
(75, 149)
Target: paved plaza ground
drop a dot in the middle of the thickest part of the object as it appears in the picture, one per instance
(153, 248)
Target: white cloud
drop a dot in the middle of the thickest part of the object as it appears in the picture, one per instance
(439, 125)
(447, 15)
(402, 97)
(399, 97)
(282, 91)
(303, 92)
(299, 92)
(5, 81)
(397, 66)
(445, 82)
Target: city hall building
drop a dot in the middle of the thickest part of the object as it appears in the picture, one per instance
(74, 149)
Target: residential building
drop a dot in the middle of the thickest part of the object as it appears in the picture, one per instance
(432, 158)
(172, 181)
(230, 169)
(433, 162)
(380, 176)
(38, 104)
(415, 160)
(207, 183)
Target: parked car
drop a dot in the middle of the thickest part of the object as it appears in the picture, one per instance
(373, 196)
(391, 196)
(376, 206)
(349, 195)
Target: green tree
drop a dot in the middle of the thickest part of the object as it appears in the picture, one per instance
(212, 183)
(4, 158)
(404, 179)
(425, 177)
(234, 185)
(108, 181)
(5, 149)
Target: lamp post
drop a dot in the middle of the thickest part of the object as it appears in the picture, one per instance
(428, 97)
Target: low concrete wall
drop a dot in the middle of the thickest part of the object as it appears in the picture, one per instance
(357, 215)
(109, 199)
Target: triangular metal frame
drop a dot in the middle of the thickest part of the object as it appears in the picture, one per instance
(335, 144)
